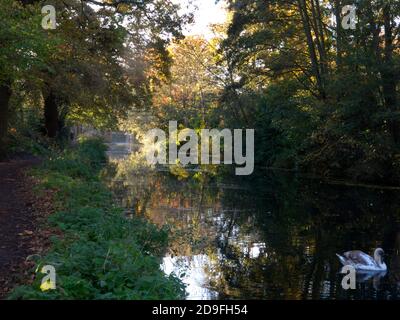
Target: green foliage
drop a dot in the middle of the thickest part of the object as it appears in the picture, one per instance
(34, 144)
(93, 68)
(101, 254)
(80, 162)
(323, 99)
(26, 45)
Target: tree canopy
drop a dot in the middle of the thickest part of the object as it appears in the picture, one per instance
(97, 63)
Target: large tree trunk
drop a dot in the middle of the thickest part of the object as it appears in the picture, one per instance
(5, 95)
(51, 115)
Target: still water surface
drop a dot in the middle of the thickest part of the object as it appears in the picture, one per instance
(268, 236)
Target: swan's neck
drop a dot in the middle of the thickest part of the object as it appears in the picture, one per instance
(378, 260)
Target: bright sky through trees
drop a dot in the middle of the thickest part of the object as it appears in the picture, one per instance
(208, 12)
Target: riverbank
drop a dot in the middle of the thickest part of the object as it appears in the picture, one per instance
(99, 253)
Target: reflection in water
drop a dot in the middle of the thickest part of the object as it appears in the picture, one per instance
(267, 236)
(376, 277)
(192, 271)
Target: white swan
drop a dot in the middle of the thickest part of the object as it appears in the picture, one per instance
(362, 261)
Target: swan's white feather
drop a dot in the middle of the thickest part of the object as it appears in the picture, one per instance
(361, 261)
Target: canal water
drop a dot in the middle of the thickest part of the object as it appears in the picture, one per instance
(266, 236)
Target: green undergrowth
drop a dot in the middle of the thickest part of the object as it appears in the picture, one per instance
(101, 254)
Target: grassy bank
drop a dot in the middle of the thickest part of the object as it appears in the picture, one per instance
(101, 254)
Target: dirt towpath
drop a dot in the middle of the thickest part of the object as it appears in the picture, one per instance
(17, 220)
